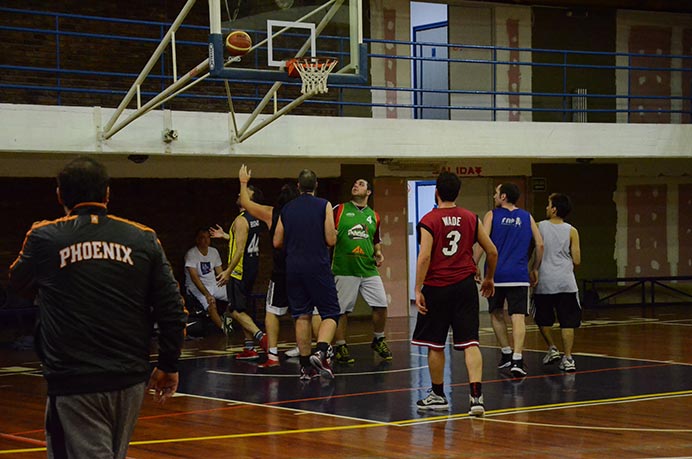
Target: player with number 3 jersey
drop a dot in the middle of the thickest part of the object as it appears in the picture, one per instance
(446, 294)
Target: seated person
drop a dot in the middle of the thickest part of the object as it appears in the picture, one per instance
(202, 265)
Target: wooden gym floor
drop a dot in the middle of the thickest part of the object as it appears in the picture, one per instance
(631, 397)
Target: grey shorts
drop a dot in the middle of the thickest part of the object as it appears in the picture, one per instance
(371, 288)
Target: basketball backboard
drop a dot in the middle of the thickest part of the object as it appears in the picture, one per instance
(284, 29)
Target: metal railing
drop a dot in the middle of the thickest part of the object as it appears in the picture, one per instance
(71, 76)
(646, 285)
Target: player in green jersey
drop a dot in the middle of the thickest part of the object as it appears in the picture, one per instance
(357, 255)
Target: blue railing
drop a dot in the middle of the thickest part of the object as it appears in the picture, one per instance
(59, 77)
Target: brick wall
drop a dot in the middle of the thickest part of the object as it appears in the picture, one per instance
(175, 208)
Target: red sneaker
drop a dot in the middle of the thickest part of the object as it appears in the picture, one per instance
(321, 363)
(247, 354)
(269, 363)
(263, 343)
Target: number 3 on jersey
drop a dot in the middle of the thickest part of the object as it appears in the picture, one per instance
(451, 248)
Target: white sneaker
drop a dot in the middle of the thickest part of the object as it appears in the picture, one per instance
(567, 364)
(552, 356)
(295, 352)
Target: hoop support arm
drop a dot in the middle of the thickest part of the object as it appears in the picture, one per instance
(217, 70)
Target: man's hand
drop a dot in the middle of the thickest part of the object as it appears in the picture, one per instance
(222, 278)
(420, 302)
(163, 384)
(218, 232)
(533, 278)
(211, 301)
(488, 288)
(244, 174)
(379, 259)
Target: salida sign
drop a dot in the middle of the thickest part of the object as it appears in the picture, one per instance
(463, 170)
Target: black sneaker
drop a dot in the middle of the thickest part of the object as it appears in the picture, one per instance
(379, 345)
(476, 407)
(342, 355)
(506, 361)
(432, 402)
(517, 368)
(321, 364)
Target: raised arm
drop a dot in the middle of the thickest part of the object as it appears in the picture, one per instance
(258, 211)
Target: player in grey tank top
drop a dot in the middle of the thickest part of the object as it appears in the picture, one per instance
(556, 273)
(557, 292)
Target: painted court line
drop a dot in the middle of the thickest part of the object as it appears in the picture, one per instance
(294, 376)
(286, 408)
(408, 423)
(561, 406)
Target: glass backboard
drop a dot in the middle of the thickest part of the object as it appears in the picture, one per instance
(284, 29)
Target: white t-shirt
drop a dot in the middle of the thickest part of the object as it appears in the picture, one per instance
(204, 264)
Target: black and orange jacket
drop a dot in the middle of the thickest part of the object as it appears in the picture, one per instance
(102, 283)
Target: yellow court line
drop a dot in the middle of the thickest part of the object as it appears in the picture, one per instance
(411, 422)
(552, 406)
(572, 426)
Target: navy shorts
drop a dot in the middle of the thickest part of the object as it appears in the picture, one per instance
(566, 305)
(309, 290)
(454, 306)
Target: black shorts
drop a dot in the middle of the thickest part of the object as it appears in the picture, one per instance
(453, 306)
(277, 298)
(517, 300)
(239, 294)
(566, 305)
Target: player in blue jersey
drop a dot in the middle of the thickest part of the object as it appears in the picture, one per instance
(512, 230)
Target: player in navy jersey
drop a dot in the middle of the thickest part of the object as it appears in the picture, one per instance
(446, 294)
(512, 230)
(306, 229)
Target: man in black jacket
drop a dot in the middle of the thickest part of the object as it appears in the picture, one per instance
(102, 282)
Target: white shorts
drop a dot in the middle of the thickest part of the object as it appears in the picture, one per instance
(217, 292)
(371, 288)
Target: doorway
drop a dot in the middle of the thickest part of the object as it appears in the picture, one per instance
(430, 34)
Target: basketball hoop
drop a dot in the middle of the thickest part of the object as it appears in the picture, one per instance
(313, 71)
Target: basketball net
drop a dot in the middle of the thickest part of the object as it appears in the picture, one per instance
(314, 72)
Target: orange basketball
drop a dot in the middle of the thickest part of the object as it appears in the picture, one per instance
(238, 43)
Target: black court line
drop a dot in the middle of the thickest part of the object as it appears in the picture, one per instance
(387, 391)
